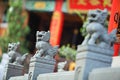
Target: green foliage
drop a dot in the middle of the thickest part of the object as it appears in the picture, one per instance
(68, 52)
(0, 58)
(82, 29)
(16, 30)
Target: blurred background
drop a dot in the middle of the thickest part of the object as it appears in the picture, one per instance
(20, 19)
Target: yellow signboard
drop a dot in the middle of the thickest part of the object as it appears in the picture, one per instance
(40, 5)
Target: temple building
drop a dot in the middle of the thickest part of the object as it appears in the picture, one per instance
(64, 18)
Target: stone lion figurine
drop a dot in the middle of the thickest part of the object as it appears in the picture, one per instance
(13, 52)
(96, 32)
(44, 49)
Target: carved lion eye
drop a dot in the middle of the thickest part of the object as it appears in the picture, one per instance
(39, 35)
(9, 47)
(93, 15)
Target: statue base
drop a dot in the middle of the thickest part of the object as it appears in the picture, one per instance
(12, 70)
(90, 57)
(39, 66)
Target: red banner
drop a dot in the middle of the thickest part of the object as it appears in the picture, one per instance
(113, 24)
(56, 24)
(56, 28)
(85, 5)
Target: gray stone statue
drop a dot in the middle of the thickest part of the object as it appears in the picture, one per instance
(21, 59)
(44, 49)
(96, 32)
(14, 55)
(13, 52)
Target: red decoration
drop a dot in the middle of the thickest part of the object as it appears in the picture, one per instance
(85, 5)
(112, 24)
(56, 24)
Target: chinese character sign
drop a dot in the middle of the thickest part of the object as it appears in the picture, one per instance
(84, 5)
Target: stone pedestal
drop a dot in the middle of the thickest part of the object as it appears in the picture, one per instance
(12, 70)
(66, 75)
(91, 57)
(24, 77)
(105, 74)
(39, 66)
(116, 61)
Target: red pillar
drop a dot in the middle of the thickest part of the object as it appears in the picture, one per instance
(56, 25)
(112, 24)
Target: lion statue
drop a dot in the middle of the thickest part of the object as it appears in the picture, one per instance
(13, 52)
(44, 49)
(96, 31)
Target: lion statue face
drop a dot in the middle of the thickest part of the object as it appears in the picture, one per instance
(43, 36)
(97, 16)
(13, 46)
